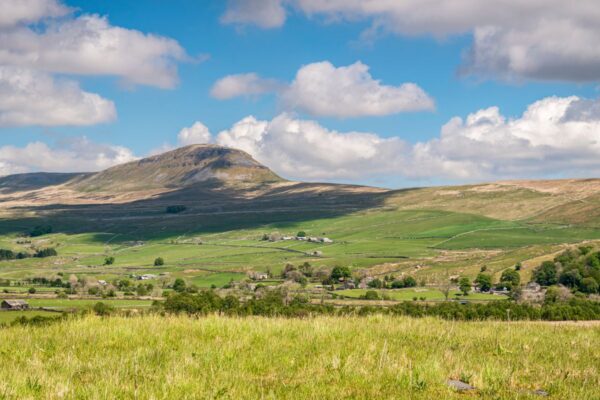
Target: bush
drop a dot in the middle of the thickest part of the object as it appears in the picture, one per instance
(465, 285)
(371, 295)
(110, 260)
(301, 234)
(31, 290)
(103, 309)
(159, 261)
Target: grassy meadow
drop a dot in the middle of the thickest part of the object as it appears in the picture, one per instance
(376, 357)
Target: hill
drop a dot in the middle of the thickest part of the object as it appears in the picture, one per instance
(230, 201)
(178, 168)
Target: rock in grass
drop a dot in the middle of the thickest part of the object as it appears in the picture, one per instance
(459, 385)
(540, 392)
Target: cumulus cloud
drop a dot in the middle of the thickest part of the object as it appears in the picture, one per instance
(537, 39)
(554, 137)
(321, 89)
(304, 149)
(33, 98)
(248, 85)
(70, 155)
(13, 12)
(263, 13)
(195, 134)
(89, 45)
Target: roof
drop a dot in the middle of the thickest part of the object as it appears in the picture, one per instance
(15, 302)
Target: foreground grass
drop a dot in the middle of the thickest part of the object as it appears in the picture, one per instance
(155, 357)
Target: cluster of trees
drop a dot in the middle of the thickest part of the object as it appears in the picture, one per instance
(42, 253)
(577, 269)
(276, 303)
(175, 209)
(40, 230)
(300, 274)
(11, 255)
(389, 281)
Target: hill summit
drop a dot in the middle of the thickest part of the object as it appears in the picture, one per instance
(181, 167)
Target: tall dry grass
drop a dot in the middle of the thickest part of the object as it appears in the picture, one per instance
(377, 357)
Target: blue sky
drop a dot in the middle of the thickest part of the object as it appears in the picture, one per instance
(149, 118)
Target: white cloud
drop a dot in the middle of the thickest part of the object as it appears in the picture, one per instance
(71, 155)
(249, 85)
(321, 89)
(555, 137)
(195, 134)
(89, 45)
(263, 13)
(13, 12)
(33, 98)
(537, 39)
(303, 149)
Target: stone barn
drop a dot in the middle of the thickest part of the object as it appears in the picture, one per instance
(14, 305)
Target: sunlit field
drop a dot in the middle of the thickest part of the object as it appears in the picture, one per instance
(154, 357)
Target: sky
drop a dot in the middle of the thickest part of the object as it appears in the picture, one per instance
(378, 92)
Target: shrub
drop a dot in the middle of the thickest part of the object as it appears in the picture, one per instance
(31, 290)
(371, 295)
(103, 309)
(110, 260)
(301, 234)
(159, 261)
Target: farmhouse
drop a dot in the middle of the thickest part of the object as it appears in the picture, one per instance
(14, 305)
(259, 276)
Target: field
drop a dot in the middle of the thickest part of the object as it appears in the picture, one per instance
(417, 242)
(155, 357)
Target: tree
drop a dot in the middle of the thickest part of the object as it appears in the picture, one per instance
(340, 272)
(159, 261)
(546, 274)
(570, 278)
(110, 260)
(484, 281)
(518, 266)
(409, 281)
(465, 285)
(31, 290)
(179, 285)
(301, 234)
(589, 285)
(510, 278)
